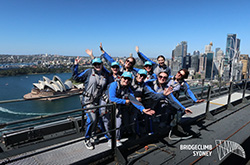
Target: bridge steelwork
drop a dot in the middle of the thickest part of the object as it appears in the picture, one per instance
(60, 135)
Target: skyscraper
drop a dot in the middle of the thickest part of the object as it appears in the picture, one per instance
(245, 62)
(231, 46)
(196, 52)
(195, 62)
(179, 54)
(232, 54)
(215, 54)
(209, 65)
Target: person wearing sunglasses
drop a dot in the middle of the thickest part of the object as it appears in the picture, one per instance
(95, 81)
(121, 93)
(179, 84)
(143, 92)
(163, 107)
(157, 68)
(127, 66)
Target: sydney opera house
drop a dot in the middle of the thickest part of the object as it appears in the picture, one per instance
(53, 89)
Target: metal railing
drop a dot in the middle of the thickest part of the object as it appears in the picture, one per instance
(208, 91)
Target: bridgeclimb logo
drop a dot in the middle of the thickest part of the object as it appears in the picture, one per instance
(198, 149)
(224, 147)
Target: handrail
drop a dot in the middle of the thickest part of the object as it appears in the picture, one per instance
(2, 125)
(113, 112)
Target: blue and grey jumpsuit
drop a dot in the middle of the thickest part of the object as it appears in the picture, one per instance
(145, 93)
(150, 75)
(165, 106)
(119, 95)
(156, 67)
(95, 83)
(181, 85)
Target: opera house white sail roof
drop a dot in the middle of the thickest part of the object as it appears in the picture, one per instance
(55, 84)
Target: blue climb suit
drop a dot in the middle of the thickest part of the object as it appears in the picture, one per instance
(181, 85)
(168, 106)
(95, 83)
(145, 93)
(125, 113)
(156, 67)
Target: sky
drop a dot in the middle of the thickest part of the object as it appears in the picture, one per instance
(69, 27)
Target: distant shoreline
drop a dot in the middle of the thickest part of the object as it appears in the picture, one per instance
(34, 71)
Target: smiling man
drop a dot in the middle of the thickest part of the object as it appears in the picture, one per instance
(95, 82)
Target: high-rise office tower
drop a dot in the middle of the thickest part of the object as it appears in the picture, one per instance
(245, 61)
(196, 52)
(179, 54)
(232, 55)
(195, 62)
(208, 48)
(188, 61)
(231, 46)
(215, 54)
(209, 65)
(203, 63)
(219, 56)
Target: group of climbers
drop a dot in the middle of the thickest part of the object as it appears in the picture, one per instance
(138, 93)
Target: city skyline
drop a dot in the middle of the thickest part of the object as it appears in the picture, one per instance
(69, 27)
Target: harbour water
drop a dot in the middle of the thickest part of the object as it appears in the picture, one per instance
(15, 87)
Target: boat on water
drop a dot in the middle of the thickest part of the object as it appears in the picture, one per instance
(47, 89)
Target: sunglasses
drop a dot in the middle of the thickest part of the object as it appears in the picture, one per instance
(147, 66)
(95, 64)
(179, 72)
(163, 77)
(143, 75)
(128, 61)
(115, 66)
(127, 78)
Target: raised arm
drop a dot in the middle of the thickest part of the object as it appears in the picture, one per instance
(142, 56)
(106, 56)
(90, 53)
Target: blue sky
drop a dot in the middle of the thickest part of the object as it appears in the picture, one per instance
(68, 27)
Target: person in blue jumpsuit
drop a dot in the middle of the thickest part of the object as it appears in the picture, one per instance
(157, 68)
(115, 73)
(164, 106)
(179, 84)
(121, 93)
(148, 66)
(128, 66)
(143, 92)
(95, 81)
